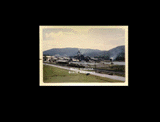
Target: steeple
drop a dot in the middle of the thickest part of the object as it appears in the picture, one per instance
(79, 53)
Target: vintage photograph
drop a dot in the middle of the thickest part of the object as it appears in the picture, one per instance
(83, 55)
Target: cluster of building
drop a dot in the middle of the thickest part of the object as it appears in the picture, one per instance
(68, 59)
(56, 59)
(65, 60)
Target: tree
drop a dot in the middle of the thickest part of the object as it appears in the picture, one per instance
(44, 58)
(121, 57)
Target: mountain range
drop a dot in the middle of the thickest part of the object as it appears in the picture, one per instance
(112, 53)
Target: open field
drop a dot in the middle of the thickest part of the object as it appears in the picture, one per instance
(118, 70)
(57, 75)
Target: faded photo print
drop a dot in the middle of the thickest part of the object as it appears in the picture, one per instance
(84, 55)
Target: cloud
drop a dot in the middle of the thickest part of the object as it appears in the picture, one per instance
(68, 33)
(94, 38)
(54, 35)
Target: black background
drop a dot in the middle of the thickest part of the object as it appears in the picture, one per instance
(34, 72)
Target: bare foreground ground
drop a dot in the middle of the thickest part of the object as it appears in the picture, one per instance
(81, 75)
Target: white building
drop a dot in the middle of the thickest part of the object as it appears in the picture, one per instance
(75, 60)
(51, 58)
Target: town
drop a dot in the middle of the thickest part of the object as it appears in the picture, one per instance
(79, 59)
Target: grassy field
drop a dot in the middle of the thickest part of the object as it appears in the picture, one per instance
(58, 75)
(114, 67)
(118, 70)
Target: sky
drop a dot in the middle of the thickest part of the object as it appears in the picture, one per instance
(86, 37)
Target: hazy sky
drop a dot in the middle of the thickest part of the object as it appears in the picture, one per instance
(93, 37)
